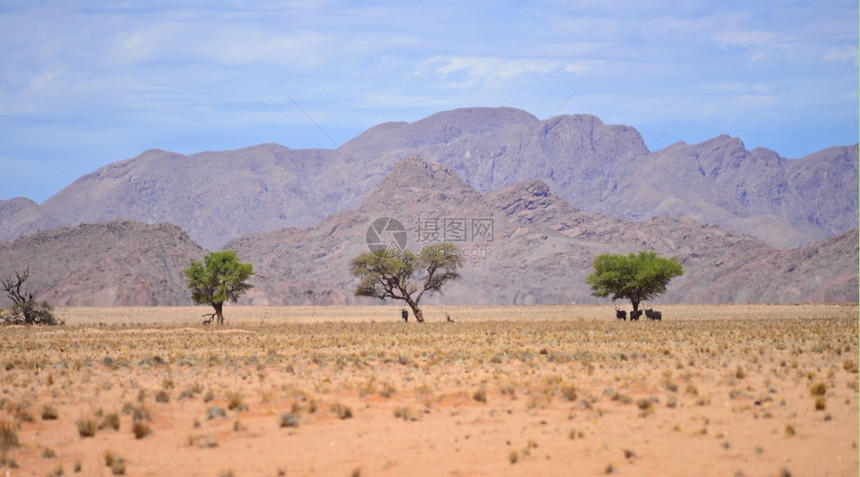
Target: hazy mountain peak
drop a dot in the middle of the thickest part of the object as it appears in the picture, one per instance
(415, 179)
(600, 168)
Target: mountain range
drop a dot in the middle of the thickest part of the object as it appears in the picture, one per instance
(217, 197)
(530, 202)
(533, 247)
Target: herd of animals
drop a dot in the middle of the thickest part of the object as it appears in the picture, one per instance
(635, 315)
(650, 313)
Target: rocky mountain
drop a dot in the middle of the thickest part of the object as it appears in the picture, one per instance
(20, 217)
(522, 243)
(120, 262)
(538, 249)
(606, 169)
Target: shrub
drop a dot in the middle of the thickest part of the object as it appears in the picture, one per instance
(87, 426)
(8, 436)
(49, 413)
(235, 402)
(289, 419)
(818, 389)
(480, 395)
(110, 420)
(115, 462)
(406, 413)
(162, 396)
(341, 411)
(820, 403)
(141, 430)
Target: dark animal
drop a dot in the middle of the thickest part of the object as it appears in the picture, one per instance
(405, 315)
(635, 315)
(653, 315)
(621, 315)
(449, 320)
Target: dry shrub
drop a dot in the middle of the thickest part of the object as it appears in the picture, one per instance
(8, 436)
(49, 413)
(110, 420)
(341, 411)
(480, 395)
(140, 430)
(87, 426)
(289, 419)
(406, 413)
(818, 389)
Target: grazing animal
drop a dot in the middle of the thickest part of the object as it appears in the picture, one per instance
(653, 315)
(621, 315)
(405, 315)
(635, 315)
(448, 318)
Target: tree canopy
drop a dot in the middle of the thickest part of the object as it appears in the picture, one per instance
(391, 274)
(635, 277)
(220, 278)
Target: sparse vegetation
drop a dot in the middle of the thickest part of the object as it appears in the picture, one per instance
(567, 377)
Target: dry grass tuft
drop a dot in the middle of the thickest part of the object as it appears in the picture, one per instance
(87, 426)
(8, 436)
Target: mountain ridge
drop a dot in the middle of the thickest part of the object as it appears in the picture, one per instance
(608, 169)
(535, 247)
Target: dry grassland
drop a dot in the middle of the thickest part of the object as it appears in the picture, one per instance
(751, 390)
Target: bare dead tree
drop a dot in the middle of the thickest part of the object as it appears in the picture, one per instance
(25, 308)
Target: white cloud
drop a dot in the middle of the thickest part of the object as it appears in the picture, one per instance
(745, 39)
(472, 71)
(841, 54)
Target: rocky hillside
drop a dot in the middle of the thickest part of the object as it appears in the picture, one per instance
(524, 245)
(113, 263)
(540, 249)
(607, 169)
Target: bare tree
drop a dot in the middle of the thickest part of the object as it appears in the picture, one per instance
(25, 308)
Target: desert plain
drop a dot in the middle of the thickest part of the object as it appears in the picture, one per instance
(724, 390)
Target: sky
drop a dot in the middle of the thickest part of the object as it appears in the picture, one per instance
(87, 83)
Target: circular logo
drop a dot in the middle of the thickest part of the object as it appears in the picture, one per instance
(386, 233)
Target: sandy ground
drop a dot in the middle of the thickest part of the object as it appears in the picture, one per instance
(751, 390)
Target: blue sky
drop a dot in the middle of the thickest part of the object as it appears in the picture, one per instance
(87, 83)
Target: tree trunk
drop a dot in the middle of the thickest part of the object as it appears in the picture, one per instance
(219, 315)
(419, 317)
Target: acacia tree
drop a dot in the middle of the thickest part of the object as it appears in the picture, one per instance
(25, 308)
(222, 278)
(635, 277)
(389, 274)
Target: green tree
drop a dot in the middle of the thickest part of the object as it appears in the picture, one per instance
(389, 274)
(222, 278)
(635, 277)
